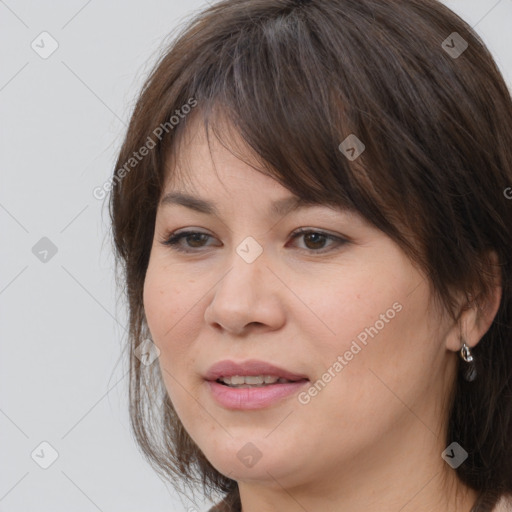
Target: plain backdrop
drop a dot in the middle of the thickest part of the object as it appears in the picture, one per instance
(62, 120)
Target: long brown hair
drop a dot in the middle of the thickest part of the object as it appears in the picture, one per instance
(295, 79)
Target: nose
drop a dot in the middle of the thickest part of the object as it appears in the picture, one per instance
(249, 296)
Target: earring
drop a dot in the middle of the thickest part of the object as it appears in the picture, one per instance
(467, 356)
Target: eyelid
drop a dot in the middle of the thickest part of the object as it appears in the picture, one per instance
(173, 240)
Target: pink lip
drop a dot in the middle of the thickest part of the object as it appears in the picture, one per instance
(253, 398)
(251, 367)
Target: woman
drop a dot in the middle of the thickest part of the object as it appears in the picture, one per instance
(312, 213)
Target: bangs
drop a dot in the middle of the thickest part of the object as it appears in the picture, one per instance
(269, 86)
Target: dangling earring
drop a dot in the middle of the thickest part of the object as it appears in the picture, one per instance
(467, 356)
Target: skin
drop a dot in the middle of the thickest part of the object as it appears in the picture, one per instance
(371, 440)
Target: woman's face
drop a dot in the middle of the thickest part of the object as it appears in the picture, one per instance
(351, 317)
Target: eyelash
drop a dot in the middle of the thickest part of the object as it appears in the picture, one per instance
(174, 239)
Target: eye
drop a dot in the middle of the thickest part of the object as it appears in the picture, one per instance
(314, 240)
(196, 237)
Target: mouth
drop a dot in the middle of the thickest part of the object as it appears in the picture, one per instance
(252, 384)
(251, 373)
(254, 381)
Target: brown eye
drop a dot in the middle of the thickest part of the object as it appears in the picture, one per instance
(315, 240)
(194, 240)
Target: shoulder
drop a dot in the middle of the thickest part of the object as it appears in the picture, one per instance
(223, 506)
(503, 505)
(230, 503)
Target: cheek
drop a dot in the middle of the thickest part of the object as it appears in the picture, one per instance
(377, 322)
(345, 308)
(386, 352)
(157, 301)
(173, 314)
(164, 297)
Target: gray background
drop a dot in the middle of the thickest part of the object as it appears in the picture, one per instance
(62, 329)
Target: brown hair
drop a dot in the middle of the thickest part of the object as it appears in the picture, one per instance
(295, 79)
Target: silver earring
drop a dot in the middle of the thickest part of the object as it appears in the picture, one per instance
(467, 356)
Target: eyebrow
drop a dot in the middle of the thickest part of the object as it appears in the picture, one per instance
(279, 207)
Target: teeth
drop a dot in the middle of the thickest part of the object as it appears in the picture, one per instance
(259, 380)
(252, 380)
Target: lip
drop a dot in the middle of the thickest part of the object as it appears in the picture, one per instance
(250, 368)
(252, 398)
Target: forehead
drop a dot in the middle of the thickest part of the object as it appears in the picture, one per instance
(207, 169)
(200, 159)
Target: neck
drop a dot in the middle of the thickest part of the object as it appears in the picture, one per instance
(413, 478)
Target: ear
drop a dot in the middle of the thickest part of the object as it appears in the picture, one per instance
(477, 315)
